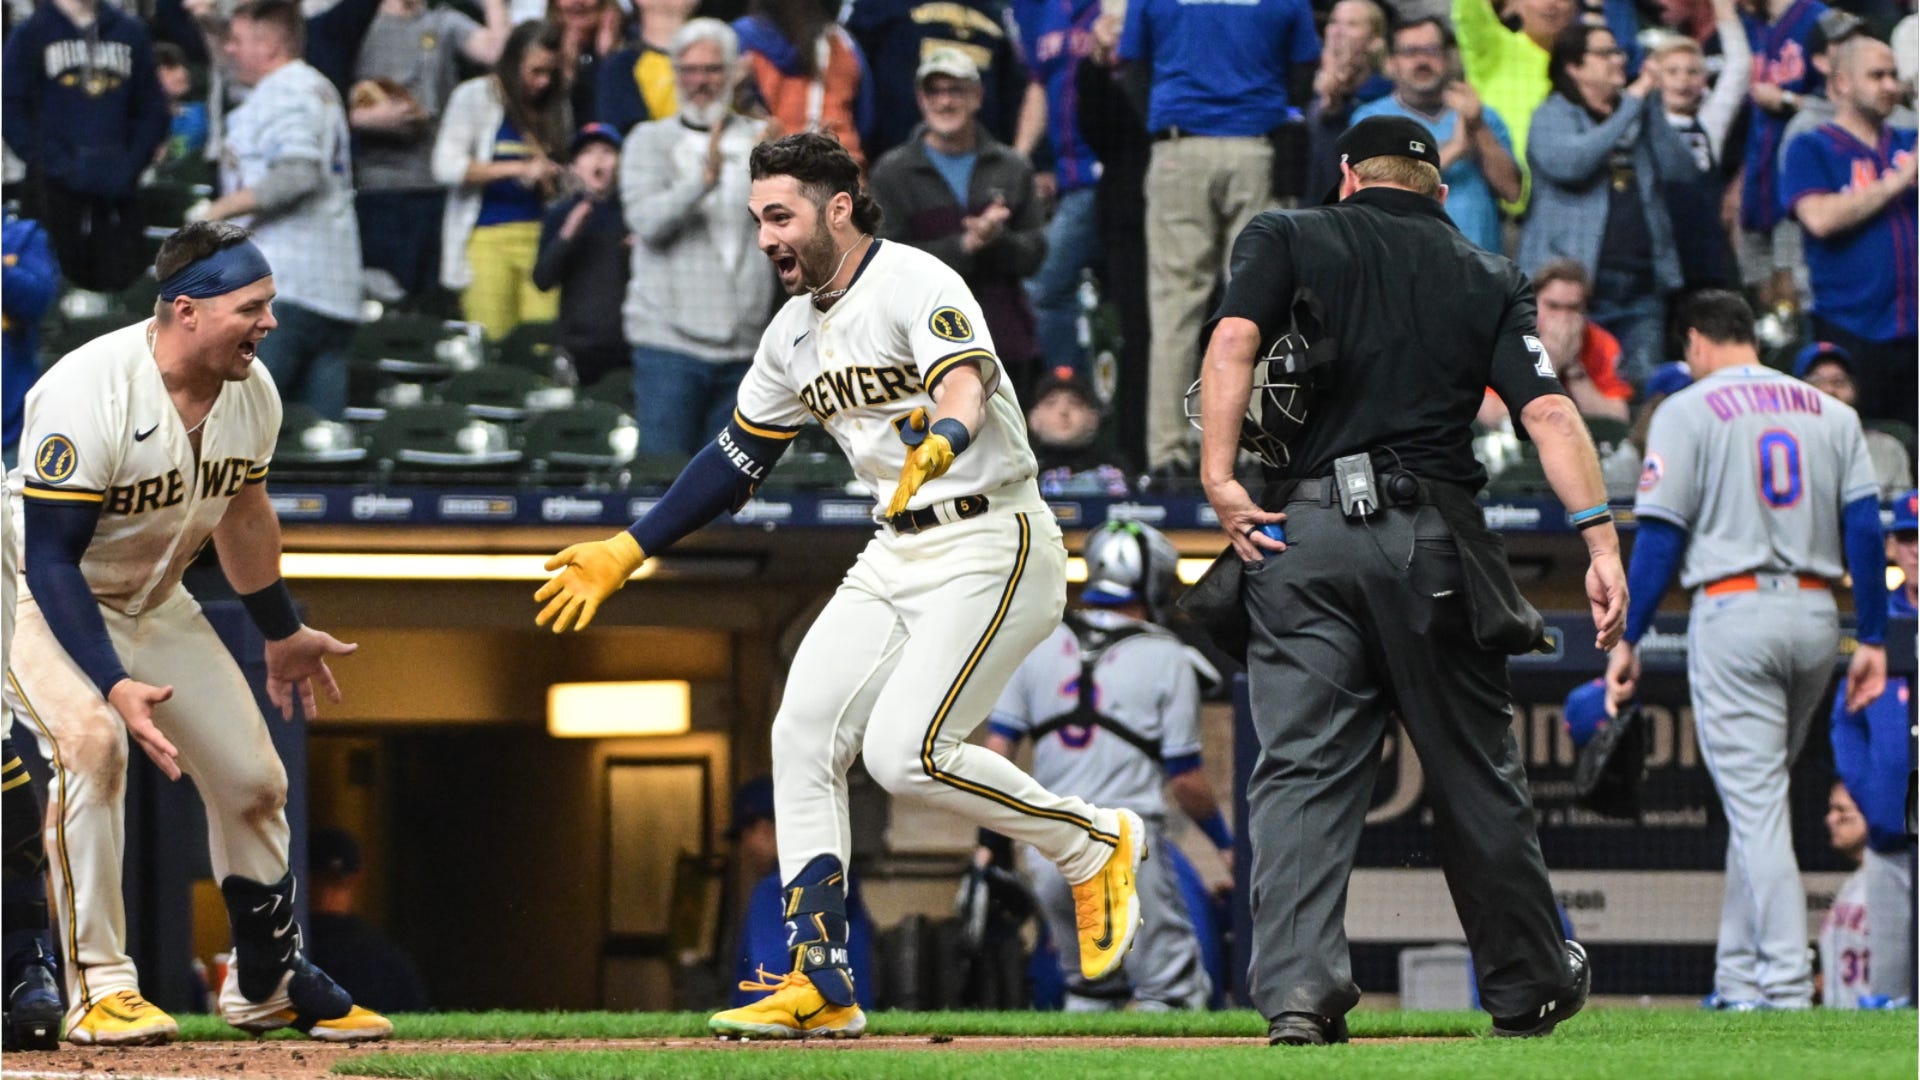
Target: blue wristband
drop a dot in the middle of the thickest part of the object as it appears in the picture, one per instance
(953, 431)
(1216, 829)
(1590, 512)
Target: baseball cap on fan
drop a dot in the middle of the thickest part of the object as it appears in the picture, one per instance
(1906, 512)
(1384, 136)
(950, 62)
(596, 132)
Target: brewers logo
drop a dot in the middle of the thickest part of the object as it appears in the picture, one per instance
(55, 460)
(950, 324)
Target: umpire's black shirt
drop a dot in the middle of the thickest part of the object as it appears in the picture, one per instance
(1424, 321)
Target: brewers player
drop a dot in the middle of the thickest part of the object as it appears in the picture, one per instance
(885, 347)
(1112, 704)
(1751, 481)
(139, 447)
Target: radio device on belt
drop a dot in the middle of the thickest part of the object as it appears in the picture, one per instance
(1359, 494)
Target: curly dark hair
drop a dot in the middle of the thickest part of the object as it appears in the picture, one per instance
(822, 168)
(1721, 316)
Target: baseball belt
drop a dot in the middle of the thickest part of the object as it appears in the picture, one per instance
(940, 513)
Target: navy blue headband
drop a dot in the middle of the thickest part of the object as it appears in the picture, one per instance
(218, 274)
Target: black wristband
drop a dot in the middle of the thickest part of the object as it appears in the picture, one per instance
(272, 610)
(1597, 519)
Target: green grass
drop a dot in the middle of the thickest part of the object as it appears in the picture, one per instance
(1620, 1044)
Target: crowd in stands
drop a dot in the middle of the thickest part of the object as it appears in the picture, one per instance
(574, 174)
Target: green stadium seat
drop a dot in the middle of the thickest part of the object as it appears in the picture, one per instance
(438, 438)
(810, 471)
(529, 347)
(614, 388)
(1608, 433)
(584, 443)
(492, 391)
(315, 448)
(654, 470)
(405, 344)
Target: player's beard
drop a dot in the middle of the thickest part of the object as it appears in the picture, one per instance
(818, 260)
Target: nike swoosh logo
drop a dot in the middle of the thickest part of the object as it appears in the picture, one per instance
(1105, 940)
(282, 932)
(802, 337)
(804, 1017)
(141, 436)
(268, 906)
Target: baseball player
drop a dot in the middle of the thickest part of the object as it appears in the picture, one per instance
(139, 447)
(32, 992)
(1112, 704)
(886, 348)
(1751, 481)
(1846, 959)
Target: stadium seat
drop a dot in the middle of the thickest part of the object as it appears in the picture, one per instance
(405, 344)
(529, 347)
(654, 470)
(615, 388)
(581, 444)
(438, 438)
(805, 470)
(1608, 433)
(493, 391)
(315, 448)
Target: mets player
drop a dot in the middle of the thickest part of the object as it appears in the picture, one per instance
(1846, 955)
(1112, 704)
(140, 446)
(885, 347)
(1751, 482)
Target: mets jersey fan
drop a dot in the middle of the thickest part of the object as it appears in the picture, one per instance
(139, 448)
(1846, 961)
(1750, 480)
(1112, 704)
(884, 346)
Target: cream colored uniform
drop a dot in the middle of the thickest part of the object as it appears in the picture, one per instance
(101, 428)
(913, 649)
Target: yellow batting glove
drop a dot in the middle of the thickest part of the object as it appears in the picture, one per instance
(927, 461)
(589, 573)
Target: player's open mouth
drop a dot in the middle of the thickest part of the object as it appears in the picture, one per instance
(786, 265)
(247, 349)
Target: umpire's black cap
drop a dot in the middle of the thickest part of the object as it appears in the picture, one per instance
(1384, 136)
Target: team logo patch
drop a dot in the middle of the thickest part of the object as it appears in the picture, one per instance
(1542, 367)
(55, 459)
(950, 324)
(1651, 472)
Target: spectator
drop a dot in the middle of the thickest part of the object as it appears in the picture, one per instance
(1833, 28)
(1584, 354)
(1601, 159)
(1055, 37)
(1828, 367)
(1222, 77)
(495, 152)
(408, 65)
(1704, 120)
(1844, 941)
(1349, 76)
(1850, 183)
(636, 82)
(359, 955)
(958, 192)
(1064, 428)
(1509, 68)
(1905, 40)
(895, 35)
(187, 130)
(1476, 149)
(29, 283)
(81, 106)
(287, 174)
(1779, 34)
(590, 30)
(808, 72)
(585, 250)
(700, 294)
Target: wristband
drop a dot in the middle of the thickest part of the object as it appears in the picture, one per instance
(1216, 829)
(272, 610)
(1598, 519)
(1588, 514)
(953, 431)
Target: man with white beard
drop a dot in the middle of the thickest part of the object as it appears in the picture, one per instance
(699, 295)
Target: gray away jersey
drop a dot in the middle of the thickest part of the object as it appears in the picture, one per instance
(1756, 466)
(1146, 682)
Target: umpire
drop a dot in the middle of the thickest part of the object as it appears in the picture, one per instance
(1387, 594)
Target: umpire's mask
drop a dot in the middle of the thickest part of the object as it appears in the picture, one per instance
(1283, 380)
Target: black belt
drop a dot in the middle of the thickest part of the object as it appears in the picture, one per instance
(960, 509)
(1322, 490)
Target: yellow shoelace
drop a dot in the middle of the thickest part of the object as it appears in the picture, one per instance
(774, 983)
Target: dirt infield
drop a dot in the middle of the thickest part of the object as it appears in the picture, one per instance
(287, 1059)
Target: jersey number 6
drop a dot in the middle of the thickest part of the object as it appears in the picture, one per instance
(1779, 468)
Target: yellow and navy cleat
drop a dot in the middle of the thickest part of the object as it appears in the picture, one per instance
(794, 1009)
(359, 1025)
(1107, 906)
(123, 1018)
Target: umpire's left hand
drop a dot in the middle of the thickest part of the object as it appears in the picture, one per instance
(1241, 518)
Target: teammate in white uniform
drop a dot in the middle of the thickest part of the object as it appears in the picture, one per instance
(1846, 961)
(140, 446)
(885, 347)
(1752, 477)
(1112, 704)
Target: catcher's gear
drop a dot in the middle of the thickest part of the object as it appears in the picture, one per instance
(589, 573)
(929, 459)
(1128, 562)
(1282, 384)
(1610, 773)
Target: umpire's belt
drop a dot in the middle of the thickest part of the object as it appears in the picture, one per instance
(1395, 489)
(1739, 583)
(940, 513)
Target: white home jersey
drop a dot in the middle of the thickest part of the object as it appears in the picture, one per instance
(101, 428)
(862, 366)
(1845, 959)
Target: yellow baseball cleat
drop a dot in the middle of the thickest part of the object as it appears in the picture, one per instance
(123, 1018)
(1107, 906)
(359, 1025)
(794, 1010)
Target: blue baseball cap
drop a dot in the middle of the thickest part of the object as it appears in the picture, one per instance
(1668, 379)
(1814, 352)
(752, 801)
(1906, 512)
(595, 132)
(1586, 711)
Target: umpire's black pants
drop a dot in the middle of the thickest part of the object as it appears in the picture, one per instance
(1355, 622)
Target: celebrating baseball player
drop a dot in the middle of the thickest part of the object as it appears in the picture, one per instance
(139, 446)
(1112, 704)
(1751, 480)
(885, 347)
